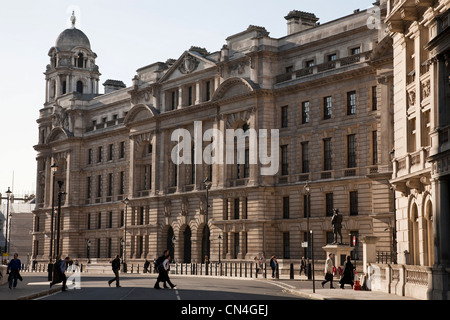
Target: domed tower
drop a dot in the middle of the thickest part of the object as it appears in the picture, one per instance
(72, 65)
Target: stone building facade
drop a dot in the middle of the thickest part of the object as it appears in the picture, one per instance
(323, 93)
(420, 34)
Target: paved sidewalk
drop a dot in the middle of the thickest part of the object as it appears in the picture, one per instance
(35, 285)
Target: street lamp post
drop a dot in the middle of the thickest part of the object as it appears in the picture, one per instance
(207, 186)
(58, 224)
(8, 196)
(312, 245)
(124, 261)
(220, 240)
(54, 168)
(308, 231)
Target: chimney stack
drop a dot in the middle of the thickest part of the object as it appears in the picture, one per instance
(113, 85)
(298, 21)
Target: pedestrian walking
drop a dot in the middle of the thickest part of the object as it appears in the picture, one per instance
(329, 271)
(13, 269)
(273, 265)
(59, 272)
(166, 279)
(115, 265)
(347, 277)
(146, 265)
(303, 266)
(160, 268)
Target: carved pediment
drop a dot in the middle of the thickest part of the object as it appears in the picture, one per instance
(189, 63)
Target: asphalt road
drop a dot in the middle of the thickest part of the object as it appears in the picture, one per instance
(187, 288)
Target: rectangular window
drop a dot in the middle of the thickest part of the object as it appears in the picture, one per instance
(110, 219)
(284, 117)
(89, 221)
(327, 165)
(99, 186)
(110, 184)
(141, 215)
(190, 96)
(208, 90)
(236, 208)
(99, 220)
(351, 151)
(309, 63)
(122, 182)
(332, 57)
(327, 107)
(247, 164)
(100, 155)
(173, 100)
(88, 187)
(305, 157)
(110, 152)
(329, 204)
(122, 150)
(351, 102)
(356, 50)
(122, 218)
(90, 156)
(285, 207)
(236, 244)
(353, 203)
(374, 98)
(284, 160)
(305, 112)
(374, 147)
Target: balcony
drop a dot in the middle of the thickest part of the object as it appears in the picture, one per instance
(410, 163)
(323, 67)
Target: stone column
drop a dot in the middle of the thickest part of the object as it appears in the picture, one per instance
(369, 250)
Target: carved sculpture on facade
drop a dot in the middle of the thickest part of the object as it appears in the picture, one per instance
(188, 65)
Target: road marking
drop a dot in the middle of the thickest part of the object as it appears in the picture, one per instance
(177, 294)
(282, 285)
(129, 292)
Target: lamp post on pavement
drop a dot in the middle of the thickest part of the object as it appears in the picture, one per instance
(124, 261)
(220, 240)
(54, 168)
(58, 222)
(8, 197)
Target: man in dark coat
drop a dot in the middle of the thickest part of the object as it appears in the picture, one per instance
(160, 268)
(115, 265)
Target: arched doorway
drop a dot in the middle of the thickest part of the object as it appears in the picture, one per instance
(187, 245)
(206, 246)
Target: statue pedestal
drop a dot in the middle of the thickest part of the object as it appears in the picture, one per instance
(339, 251)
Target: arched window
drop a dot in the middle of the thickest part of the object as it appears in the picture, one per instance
(428, 238)
(414, 236)
(80, 62)
(80, 86)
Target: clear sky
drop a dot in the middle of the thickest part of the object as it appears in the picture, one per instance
(126, 35)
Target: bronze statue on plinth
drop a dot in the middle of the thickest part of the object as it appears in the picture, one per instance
(336, 222)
